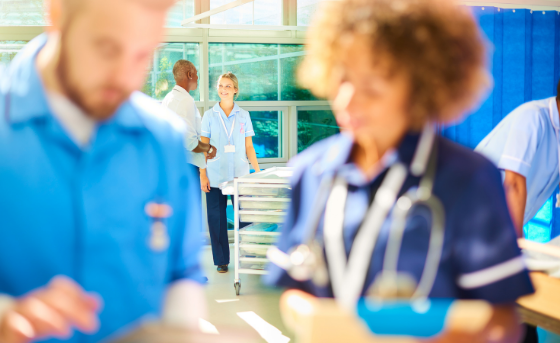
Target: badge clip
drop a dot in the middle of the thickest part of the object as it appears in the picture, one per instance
(159, 238)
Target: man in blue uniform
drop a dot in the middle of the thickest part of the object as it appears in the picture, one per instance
(524, 146)
(100, 209)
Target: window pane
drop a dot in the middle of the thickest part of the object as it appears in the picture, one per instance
(160, 78)
(8, 50)
(267, 12)
(305, 11)
(314, 126)
(268, 137)
(266, 72)
(183, 9)
(22, 12)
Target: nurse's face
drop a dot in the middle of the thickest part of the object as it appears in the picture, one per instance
(371, 99)
(106, 50)
(226, 89)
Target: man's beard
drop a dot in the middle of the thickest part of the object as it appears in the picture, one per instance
(78, 95)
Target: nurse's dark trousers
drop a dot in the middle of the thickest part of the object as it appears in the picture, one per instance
(216, 204)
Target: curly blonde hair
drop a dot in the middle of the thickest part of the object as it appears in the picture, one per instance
(436, 43)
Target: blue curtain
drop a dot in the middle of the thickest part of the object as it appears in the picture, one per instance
(524, 57)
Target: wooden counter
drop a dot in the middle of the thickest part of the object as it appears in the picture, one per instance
(543, 307)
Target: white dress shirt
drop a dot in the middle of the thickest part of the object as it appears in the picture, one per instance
(182, 103)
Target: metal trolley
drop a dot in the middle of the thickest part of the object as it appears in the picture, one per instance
(259, 198)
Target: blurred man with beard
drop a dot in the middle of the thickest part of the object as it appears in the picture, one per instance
(100, 217)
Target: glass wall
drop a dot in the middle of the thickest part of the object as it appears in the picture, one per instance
(160, 78)
(8, 50)
(305, 11)
(313, 126)
(268, 133)
(183, 9)
(266, 72)
(258, 12)
(22, 12)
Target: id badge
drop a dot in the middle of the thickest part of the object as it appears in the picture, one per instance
(229, 148)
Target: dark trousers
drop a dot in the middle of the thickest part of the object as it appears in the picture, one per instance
(531, 335)
(216, 204)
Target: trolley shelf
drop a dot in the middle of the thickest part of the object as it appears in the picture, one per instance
(264, 198)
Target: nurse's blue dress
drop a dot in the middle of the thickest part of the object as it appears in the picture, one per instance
(480, 258)
(81, 212)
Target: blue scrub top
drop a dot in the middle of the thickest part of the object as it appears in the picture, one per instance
(480, 258)
(81, 212)
(227, 166)
(526, 142)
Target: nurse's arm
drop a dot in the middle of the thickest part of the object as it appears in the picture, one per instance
(52, 311)
(251, 154)
(516, 194)
(503, 327)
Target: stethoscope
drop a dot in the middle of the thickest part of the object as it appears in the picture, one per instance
(158, 209)
(305, 262)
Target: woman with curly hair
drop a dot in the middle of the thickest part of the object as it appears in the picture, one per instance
(393, 70)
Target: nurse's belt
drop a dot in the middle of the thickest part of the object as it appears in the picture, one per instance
(225, 128)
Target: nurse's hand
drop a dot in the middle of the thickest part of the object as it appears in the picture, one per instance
(204, 183)
(52, 311)
(212, 154)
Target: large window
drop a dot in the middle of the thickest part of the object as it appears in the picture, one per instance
(8, 50)
(182, 10)
(268, 139)
(160, 78)
(257, 12)
(266, 72)
(22, 12)
(305, 11)
(314, 125)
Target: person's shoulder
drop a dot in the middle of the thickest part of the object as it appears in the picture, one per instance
(163, 123)
(210, 113)
(536, 110)
(312, 158)
(462, 164)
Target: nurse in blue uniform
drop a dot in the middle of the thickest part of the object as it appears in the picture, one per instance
(228, 127)
(392, 69)
(99, 208)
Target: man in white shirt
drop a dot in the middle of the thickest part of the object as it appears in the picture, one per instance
(181, 102)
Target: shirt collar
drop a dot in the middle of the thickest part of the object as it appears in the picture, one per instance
(337, 158)
(181, 90)
(235, 110)
(28, 98)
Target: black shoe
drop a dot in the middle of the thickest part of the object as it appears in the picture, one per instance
(223, 268)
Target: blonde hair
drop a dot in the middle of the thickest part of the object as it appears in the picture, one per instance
(435, 42)
(229, 75)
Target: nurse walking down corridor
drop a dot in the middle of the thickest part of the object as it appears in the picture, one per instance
(228, 127)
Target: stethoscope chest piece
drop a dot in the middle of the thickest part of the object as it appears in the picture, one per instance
(307, 263)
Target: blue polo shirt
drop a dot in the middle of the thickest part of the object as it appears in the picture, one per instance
(480, 258)
(81, 212)
(227, 166)
(526, 142)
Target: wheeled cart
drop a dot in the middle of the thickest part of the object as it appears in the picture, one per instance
(261, 199)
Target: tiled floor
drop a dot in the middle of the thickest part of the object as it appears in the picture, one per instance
(254, 297)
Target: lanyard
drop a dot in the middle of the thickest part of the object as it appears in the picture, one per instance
(225, 129)
(348, 277)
